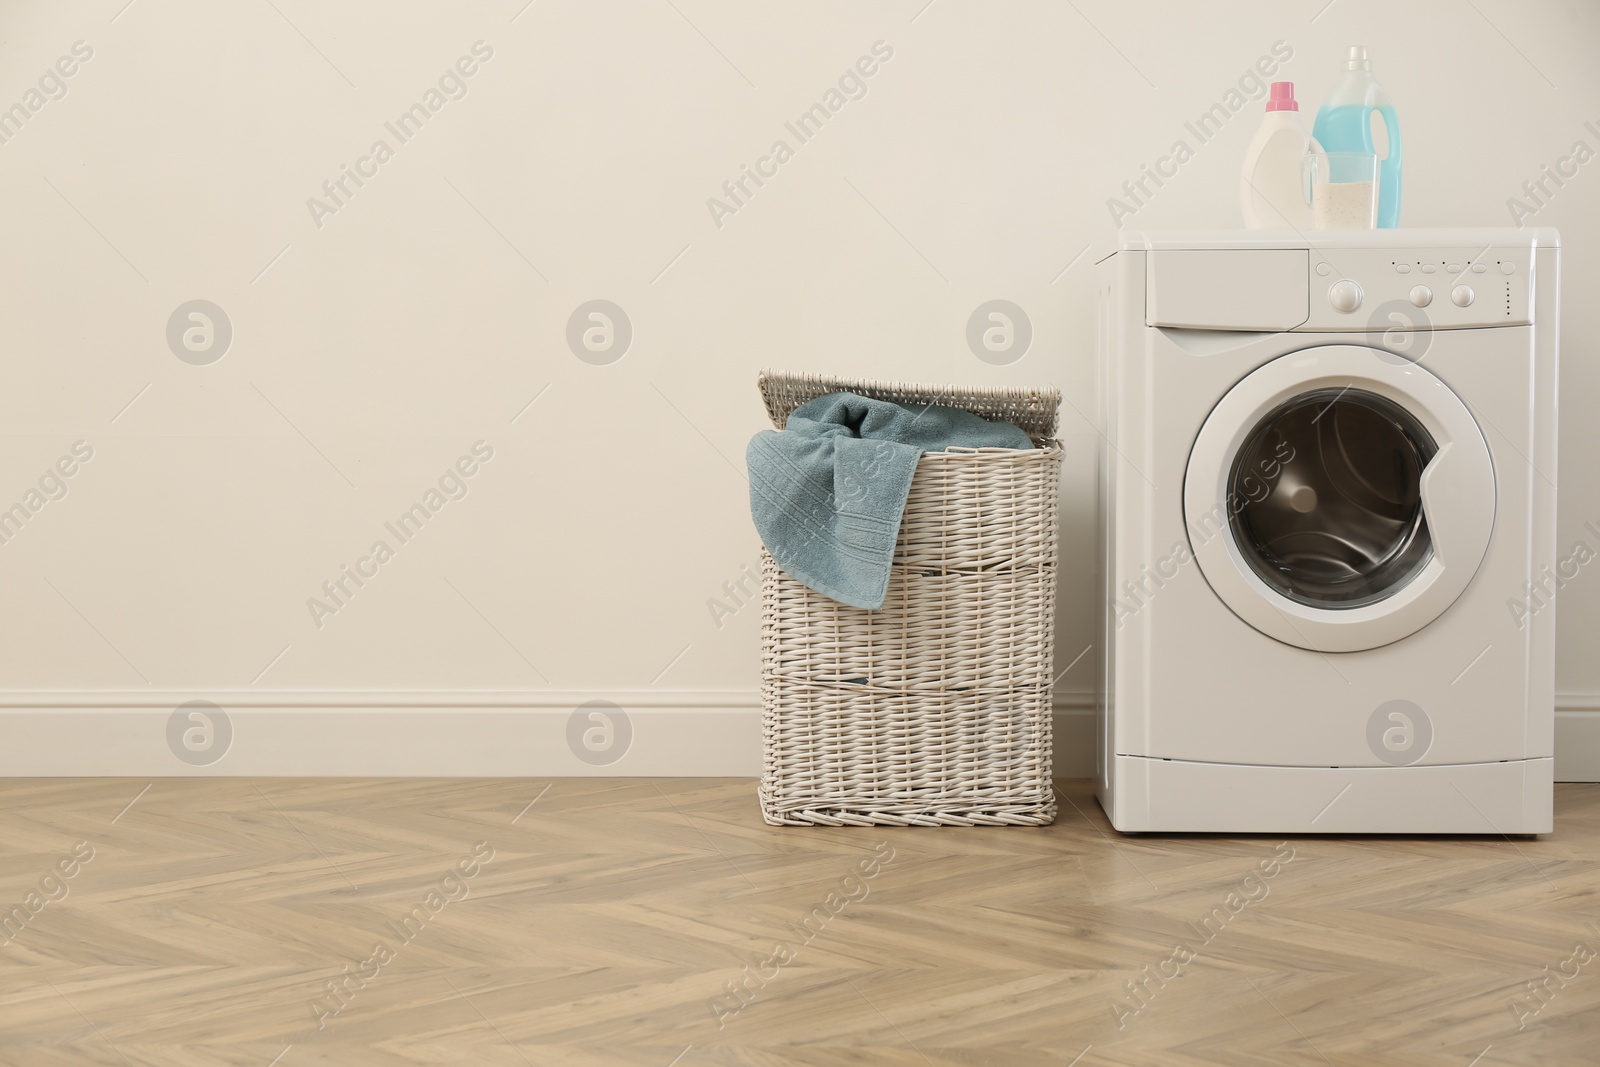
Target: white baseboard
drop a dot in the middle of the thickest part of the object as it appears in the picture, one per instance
(1578, 737)
(361, 734)
(510, 734)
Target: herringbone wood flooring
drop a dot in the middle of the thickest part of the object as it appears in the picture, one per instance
(611, 922)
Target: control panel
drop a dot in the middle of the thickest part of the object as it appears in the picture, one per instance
(1362, 289)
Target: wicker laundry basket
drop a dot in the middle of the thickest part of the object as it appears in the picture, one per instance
(934, 711)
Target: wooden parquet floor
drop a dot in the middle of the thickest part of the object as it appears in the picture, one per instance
(660, 923)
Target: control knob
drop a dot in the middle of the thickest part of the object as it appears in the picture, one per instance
(1344, 295)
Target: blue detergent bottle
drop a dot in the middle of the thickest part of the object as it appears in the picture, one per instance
(1345, 124)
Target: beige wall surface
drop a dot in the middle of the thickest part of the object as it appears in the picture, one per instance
(279, 273)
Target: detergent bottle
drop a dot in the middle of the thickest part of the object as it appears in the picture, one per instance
(1345, 124)
(1270, 184)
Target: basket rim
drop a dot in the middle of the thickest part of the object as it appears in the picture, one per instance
(1034, 410)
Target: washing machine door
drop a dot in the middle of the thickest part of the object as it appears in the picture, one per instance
(1339, 498)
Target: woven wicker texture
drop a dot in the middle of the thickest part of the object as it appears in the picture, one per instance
(935, 710)
(1033, 410)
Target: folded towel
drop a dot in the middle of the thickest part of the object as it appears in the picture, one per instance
(828, 491)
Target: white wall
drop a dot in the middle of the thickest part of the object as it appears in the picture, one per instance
(374, 345)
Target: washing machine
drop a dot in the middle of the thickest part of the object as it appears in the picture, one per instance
(1328, 492)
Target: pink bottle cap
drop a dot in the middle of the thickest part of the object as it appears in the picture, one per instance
(1282, 97)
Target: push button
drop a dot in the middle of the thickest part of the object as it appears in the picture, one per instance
(1421, 296)
(1462, 296)
(1428, 268)
(1454, 268)
(1479, 268)
(1402, 268)
(1507, 267)
(1323, 270)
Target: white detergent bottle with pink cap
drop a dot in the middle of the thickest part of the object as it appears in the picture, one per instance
(1272, 184)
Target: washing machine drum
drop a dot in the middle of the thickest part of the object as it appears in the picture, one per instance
(1339, 498)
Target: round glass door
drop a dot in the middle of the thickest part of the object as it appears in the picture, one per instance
(1339, 499)
(1328, 498)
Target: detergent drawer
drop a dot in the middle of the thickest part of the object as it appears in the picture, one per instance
(1263, 289)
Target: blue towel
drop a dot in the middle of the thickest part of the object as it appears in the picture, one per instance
(828, 491)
